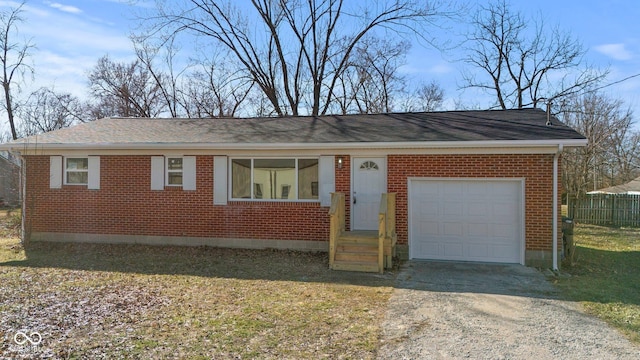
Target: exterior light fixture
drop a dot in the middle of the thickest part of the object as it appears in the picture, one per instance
(340, 162)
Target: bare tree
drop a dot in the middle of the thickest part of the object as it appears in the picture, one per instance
(293, 50)
(13, 56)
(216, 91)
(624, 150)
(371, 82)
(378, 63)
(519, 58)
(45, 110)
(125, 89)
(207, 87)
(167, 75)
(430, 96)
(426, 97)
(611, 155)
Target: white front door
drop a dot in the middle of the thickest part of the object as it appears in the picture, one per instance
(369, 182)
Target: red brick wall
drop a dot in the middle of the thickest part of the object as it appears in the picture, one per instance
(126, 205)
(536, 169)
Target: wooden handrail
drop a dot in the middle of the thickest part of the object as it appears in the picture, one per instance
(391, 215)
(386, 225)
(336, 223)
(382, 231)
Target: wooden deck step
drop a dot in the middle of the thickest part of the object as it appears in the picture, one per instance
(357, 251)
(357, 248)
(359, 236)
(357, 257)
(355, 266)
(361, 250)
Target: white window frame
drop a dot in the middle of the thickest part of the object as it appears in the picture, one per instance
(66, 171)
(252, 187)
(167, 171)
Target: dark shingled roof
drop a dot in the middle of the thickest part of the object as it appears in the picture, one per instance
(448, 126)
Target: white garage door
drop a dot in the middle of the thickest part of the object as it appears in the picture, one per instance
(466, 220)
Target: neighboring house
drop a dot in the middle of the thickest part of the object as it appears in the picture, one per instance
(470, 185)
(630, 188)
(9, 181)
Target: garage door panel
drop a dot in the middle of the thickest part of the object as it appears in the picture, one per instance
(478, 251)
(426, 192)
(478, 187)
(430, 249)
(453, 208)
(467, 220)
(452, 229)
(450, 189)
(429, 229)
(428, 209)
(504, 231)
(503, 210)
(477, 230)
(503, 252)
(453, 250)
(477, 208)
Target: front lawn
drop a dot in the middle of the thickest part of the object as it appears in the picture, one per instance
(606, 276)
(134, 301)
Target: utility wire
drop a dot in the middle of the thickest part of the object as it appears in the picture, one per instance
(596, 89)
(544, 100)
(613, 83)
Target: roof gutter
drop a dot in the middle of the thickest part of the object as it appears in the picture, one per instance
(20, 147)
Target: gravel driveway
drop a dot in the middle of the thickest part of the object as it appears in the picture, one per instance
(442, 310)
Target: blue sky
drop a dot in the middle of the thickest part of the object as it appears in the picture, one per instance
(71, 35)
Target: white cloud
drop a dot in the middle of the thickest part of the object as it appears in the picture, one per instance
(73, 35)
(441, 68)
(139, 3)
(437, 69)
(13, 4)
(65, 8)
(64, 73)
(614, 51)
(68, 44)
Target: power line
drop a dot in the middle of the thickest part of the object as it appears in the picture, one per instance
(598, 88)
(613, 83)
(583, 92)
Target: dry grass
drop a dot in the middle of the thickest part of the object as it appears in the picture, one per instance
(132, 301)
(606, 277)
(10, 223)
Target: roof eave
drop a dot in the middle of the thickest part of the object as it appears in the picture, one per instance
(19, 147)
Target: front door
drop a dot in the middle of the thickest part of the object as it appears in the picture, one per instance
(369, 182)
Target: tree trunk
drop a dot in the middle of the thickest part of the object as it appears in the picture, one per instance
(7, 97)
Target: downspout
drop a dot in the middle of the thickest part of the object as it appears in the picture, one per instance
(555, 207)
(23, 197)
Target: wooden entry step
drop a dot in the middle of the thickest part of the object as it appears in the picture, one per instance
(357, 251)
(367, 251)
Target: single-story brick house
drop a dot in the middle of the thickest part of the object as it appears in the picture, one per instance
(470, 185)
